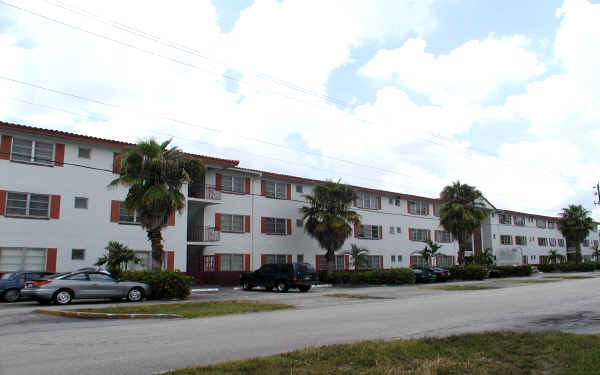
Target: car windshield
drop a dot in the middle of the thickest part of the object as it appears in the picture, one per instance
(7, 276)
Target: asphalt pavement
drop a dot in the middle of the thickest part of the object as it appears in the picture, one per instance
(34, 344)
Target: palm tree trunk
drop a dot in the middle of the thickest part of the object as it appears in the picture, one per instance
(461, 251)
(155, 237)
(330, 261)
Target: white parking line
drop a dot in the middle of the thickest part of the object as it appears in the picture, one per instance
(213, 290)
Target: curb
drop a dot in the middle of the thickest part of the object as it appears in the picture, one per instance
(200, 290)
(88, 315)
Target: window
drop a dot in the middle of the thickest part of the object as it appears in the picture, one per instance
(398, 230)
(595, 243)
(373, 261)
(551, 225)
(552, 241)
(531, 219)
(561, 242)
(367, 200)
(145, 262)
(532, 257)
(232, 223)
(506, 239)
(391, 200)
(299, 223)
(232, 262)
(392, 230)
(397, 202)
(420, 235)
(126, 216)
(81, 202)
(445, 260)
(540, 223)
(340, 263)
(368, 232)
(542, 241)
(586, 243)
(84, 153)
(505, 219)
(22, 258)
(275, 190)
(234, 184)
(32, 151)
(417, 260)
(276, 226)
(393, 259)
(443, 236)
(27, 204)
(437, 207)
(521, 240)
(78, 276)
(544, 259)
(276, 258)
(300, 258)
(520, 221)
(399, 258)
(418, 207)
(77, 254)
(100, 277)
(525, 259)
(299, 188)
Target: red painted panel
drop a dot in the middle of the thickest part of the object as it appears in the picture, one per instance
(171, 220)
(247, 186)
(170, 260)
(263, 225)
(51, 260)
(263, 259)
(247, 262)
(289, 258)
(55, 206)
(114, 211)
(263, 187)
(2, 202)
(59, 158)
(218, 221)
(116, 163)
(289, 227)
(218, 183)
(247, 224)
(288, 190)
(5, 147)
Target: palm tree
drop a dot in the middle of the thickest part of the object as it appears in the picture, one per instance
(430, 250)
(485, 258)
(117, 258)
(461, 213)
(155, 174)
(328, 218)
(575, 223)
(359, 256)
(555, 257)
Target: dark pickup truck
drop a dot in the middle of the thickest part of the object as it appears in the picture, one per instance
(281, 277)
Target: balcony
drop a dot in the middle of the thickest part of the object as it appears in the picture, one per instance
(198, 233)
(202, 191)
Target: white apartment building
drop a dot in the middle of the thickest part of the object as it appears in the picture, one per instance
(57, 213)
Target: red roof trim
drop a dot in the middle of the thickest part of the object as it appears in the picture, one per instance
(102, 141)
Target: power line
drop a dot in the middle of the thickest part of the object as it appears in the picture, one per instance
(285, 162)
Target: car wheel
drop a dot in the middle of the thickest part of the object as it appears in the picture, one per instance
(12, 295)
(281, 287)
(304, 288)
(135, 295)
(63, 297)
(246, 286)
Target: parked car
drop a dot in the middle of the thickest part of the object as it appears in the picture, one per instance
(64, 288)
(495, 273)
(281, 277)
(440, 273)
(423, 276)
(12, 283)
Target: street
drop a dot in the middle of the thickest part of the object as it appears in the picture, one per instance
(35, 344)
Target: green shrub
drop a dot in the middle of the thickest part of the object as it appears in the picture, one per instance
(164, 284)
(570, 267)
(512, 271)
(393, 276)
(469, 272)
(548, 267)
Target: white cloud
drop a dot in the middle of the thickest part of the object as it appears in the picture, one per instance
(468, 74)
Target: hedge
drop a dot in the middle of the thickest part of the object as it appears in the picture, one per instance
(393, 276)
(469, 272)
(164, 284)
(570, 267)
(512, 271)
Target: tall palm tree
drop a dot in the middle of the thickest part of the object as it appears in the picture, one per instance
(155, 174)
(555, 257)
(575, 223)
(359, 256)
(328, 218)
(461, 213)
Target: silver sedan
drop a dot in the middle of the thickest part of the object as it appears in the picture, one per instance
(64, 288)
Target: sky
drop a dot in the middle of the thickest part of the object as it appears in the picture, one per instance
(406, 96)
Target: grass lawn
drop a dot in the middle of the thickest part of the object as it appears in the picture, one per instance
(460, 287)
(568, 277)
(528, 281)
(491, 353)
(194, 309)
(357, 296)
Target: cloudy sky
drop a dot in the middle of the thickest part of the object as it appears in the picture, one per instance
(406, 96)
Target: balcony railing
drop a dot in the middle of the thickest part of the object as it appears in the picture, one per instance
(204, 192)
(198, 233)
